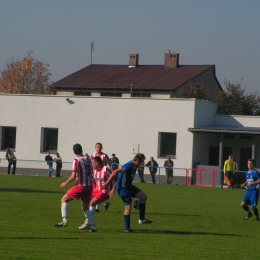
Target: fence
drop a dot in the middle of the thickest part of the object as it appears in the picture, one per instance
(201, 177)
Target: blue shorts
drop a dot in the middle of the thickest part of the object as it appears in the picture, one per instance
(251, 197)
(126, 194)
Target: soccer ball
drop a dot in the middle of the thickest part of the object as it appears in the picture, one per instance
(136, 204)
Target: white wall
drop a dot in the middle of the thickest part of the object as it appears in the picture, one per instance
(115, 122)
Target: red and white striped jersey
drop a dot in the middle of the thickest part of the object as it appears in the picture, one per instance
(83, 168)
(100, 177)
(104, 157)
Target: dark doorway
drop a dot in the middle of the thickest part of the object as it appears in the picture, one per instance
(214, 155)
(245, 154)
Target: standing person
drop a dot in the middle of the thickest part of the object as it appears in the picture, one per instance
(252, 195)
(58, 161)
(100, 176)
(114, 162)
(152, 164)
(168, 164)
(105, 161)
(124, 177)
(11, 161)
(82, 172)
(229, 171)
(140, 171)
(49, 161)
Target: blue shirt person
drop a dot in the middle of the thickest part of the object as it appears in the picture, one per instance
(124, 177)
(252, 194)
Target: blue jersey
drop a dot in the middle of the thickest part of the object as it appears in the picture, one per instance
(126, 176)
(252, 176)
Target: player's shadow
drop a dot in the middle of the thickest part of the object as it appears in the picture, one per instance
(24, 190)
(185, 233)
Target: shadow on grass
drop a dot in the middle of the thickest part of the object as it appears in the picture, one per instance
(46, 238)
(169, 232)
(22, 190)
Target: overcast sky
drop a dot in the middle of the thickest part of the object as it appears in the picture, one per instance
(224, 33)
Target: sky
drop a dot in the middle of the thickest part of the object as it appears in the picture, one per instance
(224, 33)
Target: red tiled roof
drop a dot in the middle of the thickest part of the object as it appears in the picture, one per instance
(155, 77)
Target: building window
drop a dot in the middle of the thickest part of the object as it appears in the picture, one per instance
(110, 94)
(167, 144)
(8, 137)
(77, 93)
(49, 140)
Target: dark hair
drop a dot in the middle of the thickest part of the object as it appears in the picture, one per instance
(77, 148)
(139, 157)
(98, 160)
(252, 161)
(99, 144)
(113, 154)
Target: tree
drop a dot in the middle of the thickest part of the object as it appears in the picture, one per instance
(234, 101)
(26, 76)
(196, 90)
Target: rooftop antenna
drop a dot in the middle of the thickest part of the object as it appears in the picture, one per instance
(92, 49)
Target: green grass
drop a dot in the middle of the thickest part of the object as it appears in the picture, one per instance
(188, 223)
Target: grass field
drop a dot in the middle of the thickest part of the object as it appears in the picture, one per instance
(188, 223)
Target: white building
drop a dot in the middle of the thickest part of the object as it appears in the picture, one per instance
(188, 130)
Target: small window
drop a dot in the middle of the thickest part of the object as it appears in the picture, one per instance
(77, 93)
(167, 144)
(229, 136)
(246, 137)
(8, 138)
(49, 140)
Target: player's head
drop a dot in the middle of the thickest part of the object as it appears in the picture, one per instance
(57, 154)
(98, 147)
(138, 159)
(48, 152)
(250, 164)
(77, 149)
(230, 157)
(8, 150)
(168, 158)
(113, 155)
(96, 162)
(151, 158)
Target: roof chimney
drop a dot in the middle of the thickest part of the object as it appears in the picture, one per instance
(171, 60)
(133, 60)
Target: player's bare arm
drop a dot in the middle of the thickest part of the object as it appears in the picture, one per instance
(112, 176)
(69, 180)
(112, 190)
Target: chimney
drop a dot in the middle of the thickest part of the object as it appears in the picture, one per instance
(133, 60)
(171, 60)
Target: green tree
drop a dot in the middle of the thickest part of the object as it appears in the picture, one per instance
(234, 101)
(26, 76)
(196, 90)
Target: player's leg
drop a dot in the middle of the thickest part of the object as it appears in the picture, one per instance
(85, 209)
(137, 193)
(244, 204)
(64, 211)
(254, 201)
(106, 205)
(127, 200)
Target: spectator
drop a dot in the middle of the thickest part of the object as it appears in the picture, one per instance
(49, 161)
(152, 164)
(114, 162)
(168, 164)
(58, 161)
(11, 160)
(140, 170)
